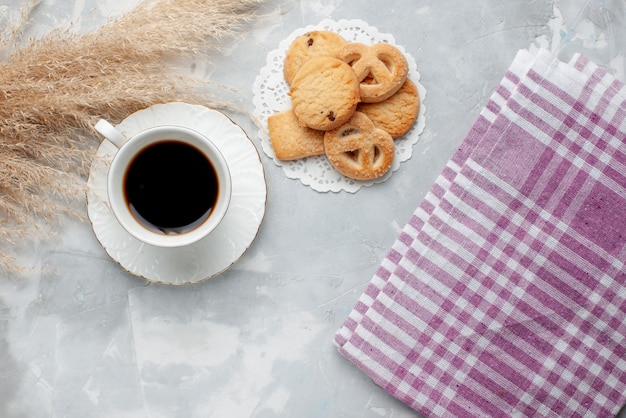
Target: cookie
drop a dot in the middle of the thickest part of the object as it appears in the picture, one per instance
(358, 149)
(397, 114)
(381, 69)
(292, 141)
(307, 46)
(324, 93)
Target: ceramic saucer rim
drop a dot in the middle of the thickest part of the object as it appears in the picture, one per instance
(91, 195)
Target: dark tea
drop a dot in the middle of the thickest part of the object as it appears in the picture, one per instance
(171, 187)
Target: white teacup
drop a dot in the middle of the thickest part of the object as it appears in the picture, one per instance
(168, 186)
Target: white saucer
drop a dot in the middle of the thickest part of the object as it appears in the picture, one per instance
(224, 246)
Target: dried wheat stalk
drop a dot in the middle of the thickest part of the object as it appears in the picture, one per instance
(53, 89)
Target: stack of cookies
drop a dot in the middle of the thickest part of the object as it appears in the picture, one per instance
(349, 102)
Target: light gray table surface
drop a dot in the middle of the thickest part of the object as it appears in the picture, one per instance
(86, 339)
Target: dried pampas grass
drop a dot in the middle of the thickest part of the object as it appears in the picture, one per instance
(53, 89)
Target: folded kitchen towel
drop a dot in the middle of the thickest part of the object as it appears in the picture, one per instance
(505, 293)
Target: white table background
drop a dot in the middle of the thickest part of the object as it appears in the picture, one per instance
(86, 339)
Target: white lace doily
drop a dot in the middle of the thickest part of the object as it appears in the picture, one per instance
(271, 96)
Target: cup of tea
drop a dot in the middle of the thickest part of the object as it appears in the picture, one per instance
(168, 186)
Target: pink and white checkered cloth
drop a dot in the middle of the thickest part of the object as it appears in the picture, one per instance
(505, 293)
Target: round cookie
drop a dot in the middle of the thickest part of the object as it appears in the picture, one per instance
(397, 114)
(381, 69)
(307, 46)
(358, 149)
(324, 93)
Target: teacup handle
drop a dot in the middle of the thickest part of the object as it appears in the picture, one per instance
(110, 133)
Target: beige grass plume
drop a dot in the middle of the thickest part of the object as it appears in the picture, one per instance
(53, 89)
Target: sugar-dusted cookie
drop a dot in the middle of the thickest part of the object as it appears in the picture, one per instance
(358, 149)
(292, 141)
(396, 114)
(381, 69)
(307, 46)
(324, 93)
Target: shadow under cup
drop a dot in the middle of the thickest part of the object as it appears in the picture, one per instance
(169, 186)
